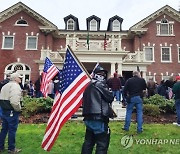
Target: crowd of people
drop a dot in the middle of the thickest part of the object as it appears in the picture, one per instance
(33, 89)
(97, 101)
(100, 94)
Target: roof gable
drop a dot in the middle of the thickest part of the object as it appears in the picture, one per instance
(164, 10)
(70, 16)
(116, 17)
(18, 7)
(93, 17)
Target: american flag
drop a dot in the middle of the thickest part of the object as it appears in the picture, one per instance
(49, 71)
(72, 85)
(105, 42)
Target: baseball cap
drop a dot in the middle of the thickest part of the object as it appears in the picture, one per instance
(16, 75)
(177, 77)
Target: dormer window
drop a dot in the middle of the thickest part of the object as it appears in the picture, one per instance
(165, 27)
(21, 22)
(70, 24)
(93, 25)
(116, 25)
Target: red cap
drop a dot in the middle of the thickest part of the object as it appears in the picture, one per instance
(177, 77)
(115, 74)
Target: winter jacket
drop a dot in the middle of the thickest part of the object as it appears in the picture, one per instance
(176, 90)
(96, 101)
(12, 92)
(114, 83)
(135, 86)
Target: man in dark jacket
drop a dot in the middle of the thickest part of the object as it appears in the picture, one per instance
(133, 89)
(96, 101)
(176, 91)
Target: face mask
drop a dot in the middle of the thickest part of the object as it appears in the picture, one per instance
(99, 77)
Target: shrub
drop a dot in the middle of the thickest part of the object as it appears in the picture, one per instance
(46, 102)
(168, 106)
(165, 105)
(151, 110)
(32, 106)
(155, 99)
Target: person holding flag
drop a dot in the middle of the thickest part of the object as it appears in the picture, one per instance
(96, 104)
(73, 81)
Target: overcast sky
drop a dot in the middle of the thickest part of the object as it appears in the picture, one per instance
(132, 11)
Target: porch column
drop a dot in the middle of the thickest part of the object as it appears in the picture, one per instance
(112, 68)
(144, 75)
(119, 69)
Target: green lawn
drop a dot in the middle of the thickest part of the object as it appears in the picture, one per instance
(156, 138)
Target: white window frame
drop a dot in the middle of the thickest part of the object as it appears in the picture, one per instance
(170, 27)
(152, 53)
(116, 25)
(16, 24)
(93, 25)
(70, 23)
(178, 54)
(27, 41)
(165, 77)
(4, 39)
(170, 59)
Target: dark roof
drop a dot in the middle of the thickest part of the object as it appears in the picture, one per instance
(93, 17)
(116, 17)
(72, 17)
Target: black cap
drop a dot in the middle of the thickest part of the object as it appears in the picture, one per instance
(100, 69)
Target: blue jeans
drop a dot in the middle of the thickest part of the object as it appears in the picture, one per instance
(137, 102)
(117, 95)
(177, 105)
(0, 112)
(9, 126)
(97, 132)
(95, 126)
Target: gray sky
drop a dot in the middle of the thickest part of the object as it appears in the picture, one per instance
(132, 11)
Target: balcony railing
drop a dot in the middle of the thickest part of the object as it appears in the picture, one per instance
(137, 56)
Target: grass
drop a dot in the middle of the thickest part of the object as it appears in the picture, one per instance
(70, 140)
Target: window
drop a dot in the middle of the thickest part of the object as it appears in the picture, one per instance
(70, 24)
(116, 25)
(149, 53)
(8, 42)
(179, 54)
(165, 27)
(93, 25)
(165, 54)
(21, 22)
(31, 43)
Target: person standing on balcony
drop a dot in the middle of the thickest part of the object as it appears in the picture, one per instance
(115, 84)
(133, 90)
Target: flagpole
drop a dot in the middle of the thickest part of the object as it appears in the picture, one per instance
(79, 62)
(88, 40)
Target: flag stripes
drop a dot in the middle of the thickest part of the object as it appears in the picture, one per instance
(64, 107)
(49, 72)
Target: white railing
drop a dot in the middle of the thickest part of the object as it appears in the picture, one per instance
(54, 55)
(137, 56)
(94, 45)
